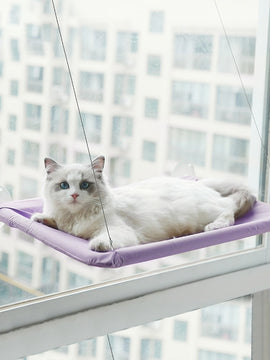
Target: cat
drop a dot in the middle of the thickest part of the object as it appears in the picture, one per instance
(151, 210)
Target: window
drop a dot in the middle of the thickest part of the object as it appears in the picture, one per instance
(34, 40)
(30, 153)
(232, 105)
(14, 14)
(190, 99)
(11, 156)
(193, 51)
(180, 330)
(124, 89)
(58, 153)
(88, 348)
(151, 108)
(127, 47)
(221, 321)
(33, 117)
(156, 21)
(153, 65)
(35, 79)
(24, 266)
(93, 44)
(14, 87)
(210, 355)
(122, 130)
(59, 120)
(28, 188)
(92, 125)
(243, 49)
(50, 275)
(4, 260)
(12, 122)
(75, 280)
(187, 146)
(14, 50)
(121, 346)
(149, 150)
(230, 154)
(91, 86)
(151, 349)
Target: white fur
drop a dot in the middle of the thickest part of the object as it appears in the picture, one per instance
(151, 210)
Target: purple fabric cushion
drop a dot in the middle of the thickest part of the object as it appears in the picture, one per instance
(18, 213)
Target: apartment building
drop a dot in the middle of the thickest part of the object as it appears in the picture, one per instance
(158, 89)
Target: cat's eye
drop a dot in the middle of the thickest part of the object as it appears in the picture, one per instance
(64, 185)
(84, 185)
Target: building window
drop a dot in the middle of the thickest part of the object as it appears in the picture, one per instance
(50, 275)
(82, 158)
(30, 153)
(4, 257)
(124, 90)
(1, 66)
(34, 39)
(151, 349)
(192, 51)
(14, 87)
(14, 14)
(151, 108)
(190, 99)
(121, 347)
(92, 44)
(230, 154)
(92, 125)
(180, 330)
(220, 321)
(58, 152)
(156, 21)
(243, 49)
(11, 156)
(35, 79)
(127, 47)
(32, 117)
(59, 120)
(232, 105)
(88, 348)
(153, 65)
(12, 123)
(187, 146)
(149, 151)
(212, 355)
(75, 280)
(28, 188)
(248, 326)
(91, 86)
(24, 266)
(14, 50)
(120, 169)
(122, 129)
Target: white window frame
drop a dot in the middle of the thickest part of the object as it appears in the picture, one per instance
(44, 323)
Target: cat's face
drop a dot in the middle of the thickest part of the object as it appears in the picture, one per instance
(73, 187)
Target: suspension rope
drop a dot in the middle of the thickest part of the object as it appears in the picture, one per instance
(110, 346)
(81, 120)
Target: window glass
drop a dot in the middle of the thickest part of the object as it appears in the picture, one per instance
(172, 338)
(157, 87)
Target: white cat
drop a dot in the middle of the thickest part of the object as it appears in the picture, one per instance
(151, 210)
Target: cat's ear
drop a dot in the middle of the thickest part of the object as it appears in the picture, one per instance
(98, 164)
(50, 165)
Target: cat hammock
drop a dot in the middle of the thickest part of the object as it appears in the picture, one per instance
(17, 214)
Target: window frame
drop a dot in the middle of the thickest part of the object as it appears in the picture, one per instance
(100, 309)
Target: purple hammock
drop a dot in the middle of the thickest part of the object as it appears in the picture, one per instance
(18, 213)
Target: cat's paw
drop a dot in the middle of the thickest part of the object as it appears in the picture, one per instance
(44, 219)
(219, 224)
(100, 244)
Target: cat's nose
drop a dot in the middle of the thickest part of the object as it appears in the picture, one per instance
(75, 196)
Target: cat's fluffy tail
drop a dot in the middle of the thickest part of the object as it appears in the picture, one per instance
(243, 198)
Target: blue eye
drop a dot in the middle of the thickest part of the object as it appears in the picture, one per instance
(64, 185)
(84, 185)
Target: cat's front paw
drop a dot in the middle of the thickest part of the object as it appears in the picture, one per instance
(100, 244)
(44, 219)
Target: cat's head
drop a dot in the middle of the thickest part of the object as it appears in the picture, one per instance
(74, 187)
